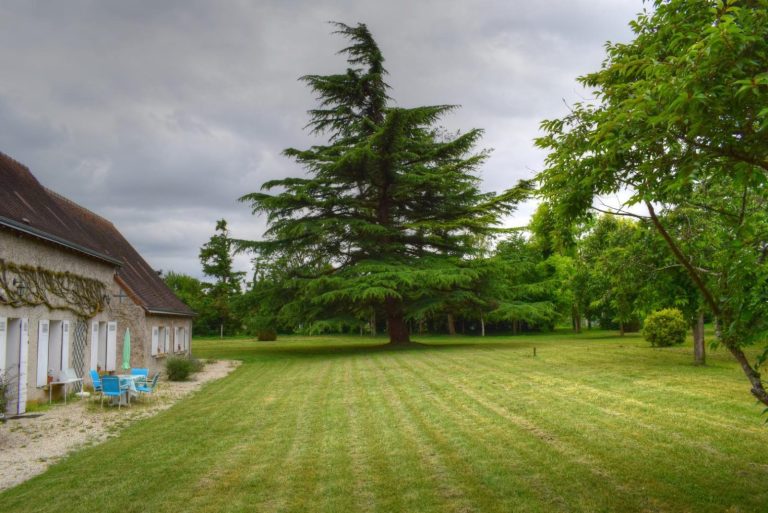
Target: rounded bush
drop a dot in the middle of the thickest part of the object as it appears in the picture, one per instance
(665, 328)
(179, 369)
(266, 335)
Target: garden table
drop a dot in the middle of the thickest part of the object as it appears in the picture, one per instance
(67, 377)
(128, 383)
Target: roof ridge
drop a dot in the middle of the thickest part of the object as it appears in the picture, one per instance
(77, 206)
(14, 161)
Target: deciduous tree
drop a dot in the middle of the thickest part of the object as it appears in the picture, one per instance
(680, 120)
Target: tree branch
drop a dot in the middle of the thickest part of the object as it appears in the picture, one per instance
(619, 212)
(692, 272)
(726, 152)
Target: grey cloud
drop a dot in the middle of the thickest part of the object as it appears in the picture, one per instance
(159, 115)
(28, 131)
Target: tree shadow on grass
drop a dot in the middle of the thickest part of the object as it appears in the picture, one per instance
(263, 351)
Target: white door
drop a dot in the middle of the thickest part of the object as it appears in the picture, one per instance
(54, 348)
(3, 341)
(21, 406)
(64, 345)
(111, 346)
(43, 333)
(94, 345)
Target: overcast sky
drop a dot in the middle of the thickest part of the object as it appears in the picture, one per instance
(158, 115)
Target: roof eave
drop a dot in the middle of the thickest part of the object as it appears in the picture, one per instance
(40, 234)
(160, 311)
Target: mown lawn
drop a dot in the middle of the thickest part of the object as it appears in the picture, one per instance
(592, 423)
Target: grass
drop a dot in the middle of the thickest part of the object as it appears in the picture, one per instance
(593, 423)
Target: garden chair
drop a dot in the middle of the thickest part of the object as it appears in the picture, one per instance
(96, 381)
(150, 387)
(110, 387)
(140, 372)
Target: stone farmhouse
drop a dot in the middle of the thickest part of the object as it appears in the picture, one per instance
(70, 286)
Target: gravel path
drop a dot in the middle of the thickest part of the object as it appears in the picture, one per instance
(29, 445)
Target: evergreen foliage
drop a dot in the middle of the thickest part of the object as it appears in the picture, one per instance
(216, 258)
(390, 208)
(193, 293)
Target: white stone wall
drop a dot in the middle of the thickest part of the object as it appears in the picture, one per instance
(178, 346)
(23, 250)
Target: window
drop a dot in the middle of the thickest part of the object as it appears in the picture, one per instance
(104, 345)
(180, 340)
(161, 340)
(14, 341)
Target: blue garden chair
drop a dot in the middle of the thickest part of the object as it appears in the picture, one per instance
(140, 372)
(110, 387)
(148, 388)
(96, 381)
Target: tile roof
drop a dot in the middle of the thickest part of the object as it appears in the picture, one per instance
(27, 206)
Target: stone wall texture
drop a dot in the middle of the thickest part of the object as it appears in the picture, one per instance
(23, 250)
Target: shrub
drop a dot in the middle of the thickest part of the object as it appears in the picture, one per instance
(665, 328)
(197, 364)
(266, 335)
(180, 368)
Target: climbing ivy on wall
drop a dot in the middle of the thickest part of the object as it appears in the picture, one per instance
(23, 285)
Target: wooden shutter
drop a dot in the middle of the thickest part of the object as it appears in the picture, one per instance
(155, 340)
(94, 345)
(21, 405)
(42, 352)
(111, 357)
(167, 346)
(3, 342)
(64, 345)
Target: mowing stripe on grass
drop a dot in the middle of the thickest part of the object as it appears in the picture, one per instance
(328, 424)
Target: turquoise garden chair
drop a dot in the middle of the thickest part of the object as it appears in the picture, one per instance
(143, 372)
(149, 388)
(110, 387)
(96, 381)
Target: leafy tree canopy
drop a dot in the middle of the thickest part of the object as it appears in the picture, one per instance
(389, 209)
(680, 121)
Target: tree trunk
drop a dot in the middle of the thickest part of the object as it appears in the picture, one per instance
(576, 316)
(752, 375)
(621, 328)
(482, 326)
(715, 307)
(699, 355)
(396, 325)
(451, 325)
(373, 324)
